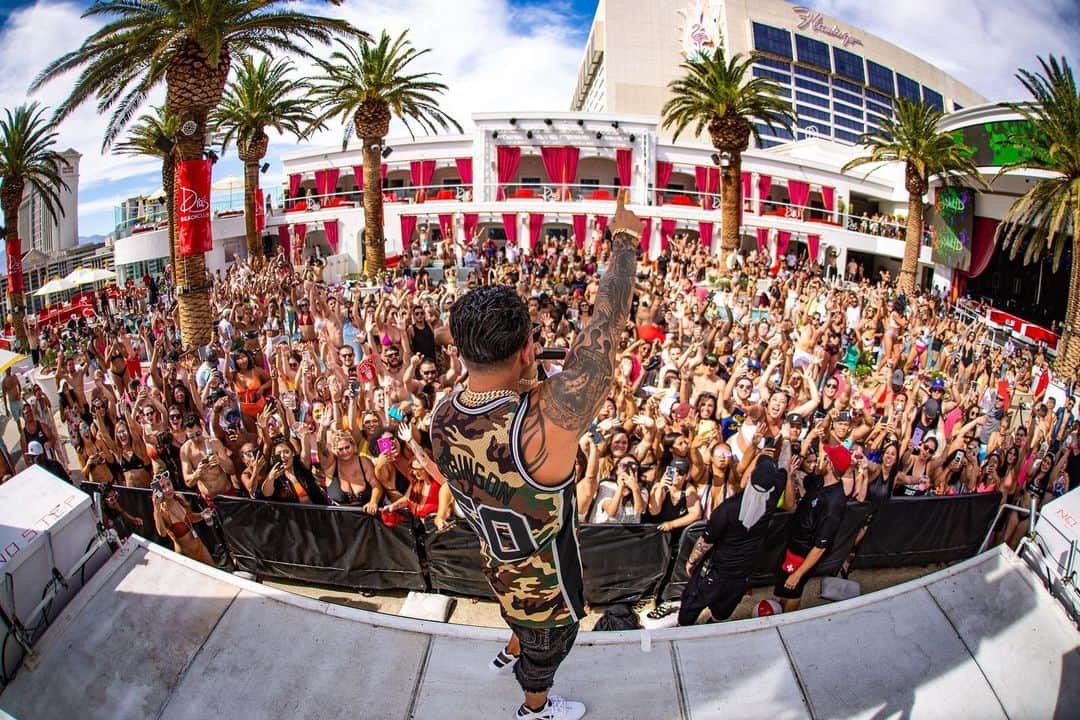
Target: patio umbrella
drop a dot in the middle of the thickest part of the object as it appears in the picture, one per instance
(8, 359)
(54, 286)
(85, 276)
(229, 184)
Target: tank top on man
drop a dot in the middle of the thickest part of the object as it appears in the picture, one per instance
(528, 531)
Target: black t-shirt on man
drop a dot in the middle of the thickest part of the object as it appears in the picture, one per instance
(817, 519)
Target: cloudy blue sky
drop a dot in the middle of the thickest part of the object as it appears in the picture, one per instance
(520, 55)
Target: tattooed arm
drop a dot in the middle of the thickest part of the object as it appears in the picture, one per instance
(565, 404)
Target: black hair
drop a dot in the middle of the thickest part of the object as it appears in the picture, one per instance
(192, 420)
(490, 324)
(373, 441)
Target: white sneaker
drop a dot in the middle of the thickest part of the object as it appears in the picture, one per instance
(557, 708)
(502, 663)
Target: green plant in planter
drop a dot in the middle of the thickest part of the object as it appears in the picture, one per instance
(724, 284)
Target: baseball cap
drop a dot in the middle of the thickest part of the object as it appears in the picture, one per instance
(681, 465)
(937, 384)
(795, 420)
(897, 377)
(839, 456)
(932, 408)
(34, 448)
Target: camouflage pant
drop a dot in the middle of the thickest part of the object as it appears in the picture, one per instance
(542, 651)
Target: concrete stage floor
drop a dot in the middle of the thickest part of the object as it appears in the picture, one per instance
(154, 635)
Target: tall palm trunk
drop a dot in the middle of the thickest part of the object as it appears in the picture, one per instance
(912, 245)
(730, 202)
(1068, 351)
(10, 199)
(251, 152)
(194, 88)
(374, 241)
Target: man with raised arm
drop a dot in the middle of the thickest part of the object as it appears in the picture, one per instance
(507, 447)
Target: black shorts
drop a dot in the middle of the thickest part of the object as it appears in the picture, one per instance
(785, 594)
(542, 651)
(708, 590)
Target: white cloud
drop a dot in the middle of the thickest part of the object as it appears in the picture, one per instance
(980, 43)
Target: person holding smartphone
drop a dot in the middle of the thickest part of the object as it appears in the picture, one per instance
(174, 519)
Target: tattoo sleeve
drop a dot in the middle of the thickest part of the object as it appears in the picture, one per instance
(700, 548)
(571, 399)
(574, 396)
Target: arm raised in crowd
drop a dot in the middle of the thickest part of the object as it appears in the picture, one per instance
(569, 401)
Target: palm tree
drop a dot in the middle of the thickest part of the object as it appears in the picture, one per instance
(262, 94)
(188, 45)
(152, 135)
(27, 157)
(912, 137)
(368, 84)
(1043, 218)
(718, 94)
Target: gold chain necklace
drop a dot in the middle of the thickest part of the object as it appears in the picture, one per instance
(476, 399)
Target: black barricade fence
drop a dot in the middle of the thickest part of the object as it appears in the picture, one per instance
(454, 562)
(338, 546)
(619, 562)
(622, 563)
(139, 503)
(764, 571)
(922, 530)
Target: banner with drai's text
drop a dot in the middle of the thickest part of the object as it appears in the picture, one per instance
(194, 234)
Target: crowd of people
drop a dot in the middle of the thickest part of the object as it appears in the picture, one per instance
(322, 393)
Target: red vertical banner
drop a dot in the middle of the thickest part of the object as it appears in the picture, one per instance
(14, 264)
(193, 230)
(260, 210)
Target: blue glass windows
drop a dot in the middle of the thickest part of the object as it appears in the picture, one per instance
(813, 52)
(880, 77)
(849, 65)
(907, 88)
(772, 40)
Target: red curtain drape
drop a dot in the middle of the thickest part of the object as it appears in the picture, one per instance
(554, 159)
(468, 225)
(536, 223)
(667, 229)
(285, 240)
(982, 246)
(509, 221)
(330, 227)
(326, 182)
(507, 164)
(663, 177)
(705, 230)
(581, 229)
(813, 242)
(194, 233)
(421, 172)
(764, 182)
(408, 225)
(746, 184)
(464, 170)
(601, 223)
(798, 192)
(570, 170)
(828, 198)
(294, 185)
(260, 210)
(646, 235)
(762, 240)
(446, 225)
(707, 180)
(783, 239)
(624, 163)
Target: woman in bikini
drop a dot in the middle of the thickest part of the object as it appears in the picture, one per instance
(131, 455)
(173, 519)
(250, 383)
(351, 476)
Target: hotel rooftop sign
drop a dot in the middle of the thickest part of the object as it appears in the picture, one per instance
(815, 22)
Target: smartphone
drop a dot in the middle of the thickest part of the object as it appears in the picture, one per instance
(155, 486)
(385, 445)
(354, 387)
(395, 414)
(669, 475)
(553, 353)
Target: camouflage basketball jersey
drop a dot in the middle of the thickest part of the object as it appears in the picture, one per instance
(528, 531)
